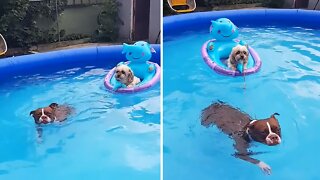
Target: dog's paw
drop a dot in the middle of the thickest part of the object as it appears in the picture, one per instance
(264, 167)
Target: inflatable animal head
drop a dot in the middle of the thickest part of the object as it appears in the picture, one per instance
(223, 30)
(140, 51)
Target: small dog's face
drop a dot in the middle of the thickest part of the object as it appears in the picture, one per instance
(240, 53)
(124, 74)
(44, 115)
(266, 131)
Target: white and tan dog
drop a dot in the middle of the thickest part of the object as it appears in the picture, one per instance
(239, 54)
(124, 75)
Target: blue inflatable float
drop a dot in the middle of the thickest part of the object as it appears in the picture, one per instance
(216, 51)
(138, 56)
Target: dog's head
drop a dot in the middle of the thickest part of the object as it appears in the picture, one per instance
(124, 74)
(44, 115)
(240, 53)
(266, 131)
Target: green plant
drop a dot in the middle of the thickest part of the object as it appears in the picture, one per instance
(108, 21)
(75, 37)
(273, 3)
(18, 21)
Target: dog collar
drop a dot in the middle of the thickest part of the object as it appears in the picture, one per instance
(247, 131)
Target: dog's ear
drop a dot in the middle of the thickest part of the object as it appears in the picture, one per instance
(31, 113)
(247, 47)
(53, 105)
(250, 126)
(233, 53)
(275, 114)
(130, 76)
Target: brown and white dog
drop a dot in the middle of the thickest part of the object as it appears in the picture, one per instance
(124, 75)
(243, 130)
(52, 113)
(239, 54)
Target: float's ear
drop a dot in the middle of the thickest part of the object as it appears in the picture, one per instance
(125, 48)
(213, 22)
(152, 50)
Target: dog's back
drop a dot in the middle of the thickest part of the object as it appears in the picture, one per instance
(62, 112)
(228, 119)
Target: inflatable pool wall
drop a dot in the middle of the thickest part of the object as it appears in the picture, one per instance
(50, 62)
(175, 25)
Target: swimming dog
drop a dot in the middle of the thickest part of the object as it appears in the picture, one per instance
(243, 130)
(50, 114)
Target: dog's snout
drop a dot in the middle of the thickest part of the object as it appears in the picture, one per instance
(274, 138)
(242, 56)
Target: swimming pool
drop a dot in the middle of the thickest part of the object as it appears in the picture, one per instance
(110, 136)
(288, 83)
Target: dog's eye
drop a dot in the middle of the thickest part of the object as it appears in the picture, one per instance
(123, 72)
(245, 53)
(117, 71)
(238, 52)
(275, 130)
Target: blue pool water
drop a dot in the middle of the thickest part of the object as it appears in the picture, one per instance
(108, 137)
(288, 83)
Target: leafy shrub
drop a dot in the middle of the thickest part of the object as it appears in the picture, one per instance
(109, 22)
(18, 21)
(75, 37)
(273, 3)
